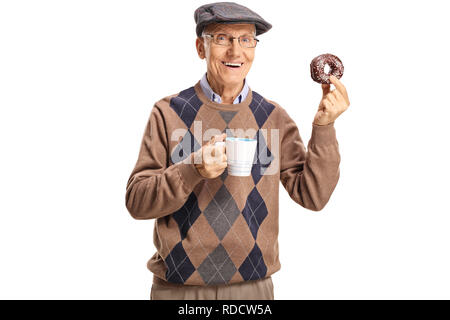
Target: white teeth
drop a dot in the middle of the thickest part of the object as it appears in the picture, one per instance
(232, 64)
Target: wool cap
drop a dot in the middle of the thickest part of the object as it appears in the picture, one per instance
(228, 12)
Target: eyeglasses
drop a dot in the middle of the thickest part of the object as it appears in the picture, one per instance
(223, 39)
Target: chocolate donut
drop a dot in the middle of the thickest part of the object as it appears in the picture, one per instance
(318, 65)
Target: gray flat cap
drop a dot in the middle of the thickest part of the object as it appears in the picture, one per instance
(228, 12)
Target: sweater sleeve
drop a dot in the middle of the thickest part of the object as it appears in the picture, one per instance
(309, 177)
(155, 189)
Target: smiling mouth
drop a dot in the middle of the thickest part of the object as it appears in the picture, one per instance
(233, 65)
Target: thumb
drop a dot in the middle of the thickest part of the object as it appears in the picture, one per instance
(325, 89)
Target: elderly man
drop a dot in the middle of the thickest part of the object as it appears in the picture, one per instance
(216, 234)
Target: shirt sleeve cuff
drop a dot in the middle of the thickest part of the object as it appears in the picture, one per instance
(323, 135)
(188, 172)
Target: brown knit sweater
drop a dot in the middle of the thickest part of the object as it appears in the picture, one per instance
(224, 230)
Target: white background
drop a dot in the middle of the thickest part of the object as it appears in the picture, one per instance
(78, 80)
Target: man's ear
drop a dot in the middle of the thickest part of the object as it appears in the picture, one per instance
(200, 48)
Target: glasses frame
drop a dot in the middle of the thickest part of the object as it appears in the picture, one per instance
(232, 39)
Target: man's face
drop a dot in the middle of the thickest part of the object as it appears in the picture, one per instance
(216, 55)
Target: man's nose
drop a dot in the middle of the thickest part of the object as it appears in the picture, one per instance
(235, 48)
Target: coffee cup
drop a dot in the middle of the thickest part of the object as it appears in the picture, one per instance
(240, 155)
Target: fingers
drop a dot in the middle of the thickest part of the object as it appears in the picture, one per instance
(340, 87)
(331, 97)
(219, 170)
(215, 153)
(325, 89)
(217, 137)
(221, 137)
(214, 159)
(338, 96)
(211, 141)
(223, 149)
(326, 106)
(218, 163)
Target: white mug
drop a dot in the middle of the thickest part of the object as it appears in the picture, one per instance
(240, 154)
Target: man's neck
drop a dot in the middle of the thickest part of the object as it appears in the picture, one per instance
(227, 93)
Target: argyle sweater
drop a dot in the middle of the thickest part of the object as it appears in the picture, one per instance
(224, 230)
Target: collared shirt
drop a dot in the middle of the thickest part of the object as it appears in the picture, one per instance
(215, 97)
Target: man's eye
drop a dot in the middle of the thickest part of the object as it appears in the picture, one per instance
(221, 37)
(246, 39)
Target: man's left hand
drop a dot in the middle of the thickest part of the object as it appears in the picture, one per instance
(332, 104)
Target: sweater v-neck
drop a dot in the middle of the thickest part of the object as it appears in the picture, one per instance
(222, 106)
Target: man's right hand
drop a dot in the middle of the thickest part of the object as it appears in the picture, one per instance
(214, 158)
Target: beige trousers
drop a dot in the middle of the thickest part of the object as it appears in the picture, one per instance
(261, 289)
